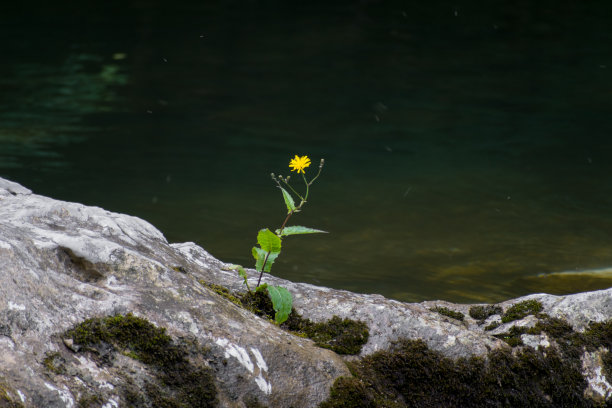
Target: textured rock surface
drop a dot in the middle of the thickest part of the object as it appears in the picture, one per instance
(62, 263)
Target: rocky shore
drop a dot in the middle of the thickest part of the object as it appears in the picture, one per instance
(98, 309)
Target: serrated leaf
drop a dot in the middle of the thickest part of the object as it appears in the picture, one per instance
(288, 200)
(298, 229)
(255, 253)
(271, 258)
(260, 256)
(281, 301)
(268, 241)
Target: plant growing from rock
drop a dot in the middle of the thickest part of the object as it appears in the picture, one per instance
(270, 243)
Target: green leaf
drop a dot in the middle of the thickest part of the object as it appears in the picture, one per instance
(260, 256)
(242, 274)
(255, 252)
(288, 200)
(268, 241)
(298, 229)
(281, 301)
(271, 258)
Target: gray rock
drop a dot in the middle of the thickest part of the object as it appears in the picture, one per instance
(62, 263)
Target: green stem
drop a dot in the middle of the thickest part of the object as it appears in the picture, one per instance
(292, 189)
(280, 232)
(318, 174)
(302, 202)
(307, 188)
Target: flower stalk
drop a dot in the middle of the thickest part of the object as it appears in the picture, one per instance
(270, 242)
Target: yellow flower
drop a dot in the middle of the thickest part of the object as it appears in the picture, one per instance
(299, 163)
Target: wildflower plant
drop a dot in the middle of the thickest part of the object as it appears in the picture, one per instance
(270, 243)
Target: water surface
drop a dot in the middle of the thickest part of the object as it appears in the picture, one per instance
(467, 147)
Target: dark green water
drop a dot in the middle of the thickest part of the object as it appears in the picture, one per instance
(468, 145)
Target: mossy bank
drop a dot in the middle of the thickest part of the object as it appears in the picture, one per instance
(176, 379)
(343, 336)
(549, 374)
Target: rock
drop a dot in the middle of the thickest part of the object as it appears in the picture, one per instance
(66, 266)
(63, 263)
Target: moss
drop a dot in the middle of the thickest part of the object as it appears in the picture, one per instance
(253, 402)
(521, 309)
(182, 384)
(179, 268)
(90, 401)
(349, 393)
(259, 303)
(412, 375)
(6, 397)
(444, 311)
(483, 312)
(134, 336)
(513, 336)
(492, 326)
(54, 362)
(599, 334)
(222, 291)
(343, 336)
(554, 327)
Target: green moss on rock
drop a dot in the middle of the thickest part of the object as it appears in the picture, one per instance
(484, 312)
(54, 362)
(222, 291)
(253, 402)
(554, 327)
(7, 397)
(90, 401)
(599, 334)
(412, 375)
(180, 384)
(606, 360)
(343, 336)
(521, 309)
(492, 326)
(513, 336)
(444, 311)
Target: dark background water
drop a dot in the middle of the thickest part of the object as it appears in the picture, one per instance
(467, 144)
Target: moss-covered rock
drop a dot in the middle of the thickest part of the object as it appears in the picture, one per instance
(222, 291)
(444, 311)
(180, 384)
(521, 309)
(483, 312)
(606, 360)
(492, 326)
(54, 362)
(412, 375)
(8, 397)
(513, 336)
(343, 336)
